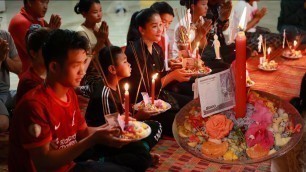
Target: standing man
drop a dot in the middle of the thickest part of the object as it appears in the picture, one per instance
(33, 12)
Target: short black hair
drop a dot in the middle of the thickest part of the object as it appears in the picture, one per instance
(188, 3)
(84, 6)
(163, 8)
(59, 43)
(108, 56)
(36, 37)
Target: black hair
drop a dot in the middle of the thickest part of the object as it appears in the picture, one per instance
(59, 43)
(144, 16)
(133, 33)
(108, 56)
(139, 18)
(163, 8)
(25, 2)
(36, 37)
(84, 6)
(188, 3)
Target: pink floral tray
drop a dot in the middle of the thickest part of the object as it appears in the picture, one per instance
(190, 133)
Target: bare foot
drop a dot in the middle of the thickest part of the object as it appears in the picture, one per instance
(155, 158)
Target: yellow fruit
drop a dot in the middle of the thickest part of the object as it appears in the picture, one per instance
(183, 132)
(192, 144)
(230, 156)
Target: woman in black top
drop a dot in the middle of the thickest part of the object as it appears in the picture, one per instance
(147, 58)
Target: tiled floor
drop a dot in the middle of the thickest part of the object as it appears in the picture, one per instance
(118, 23)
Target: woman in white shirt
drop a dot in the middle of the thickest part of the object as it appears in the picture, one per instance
(253, 16)
(198, 29)
(95, 31)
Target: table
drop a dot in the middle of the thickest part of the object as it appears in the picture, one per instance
(286, 81)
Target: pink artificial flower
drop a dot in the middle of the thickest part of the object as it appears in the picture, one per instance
(258, 134)
(262, 115)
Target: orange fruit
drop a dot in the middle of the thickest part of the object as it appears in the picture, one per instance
(257, 151)
(214, 150)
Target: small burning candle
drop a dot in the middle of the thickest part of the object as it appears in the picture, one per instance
(153, 87)
(268, 51)
(294, 44)
(126, 103)
(240, 68)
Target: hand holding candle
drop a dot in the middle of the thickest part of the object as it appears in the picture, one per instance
(126, 103)
(153, 87)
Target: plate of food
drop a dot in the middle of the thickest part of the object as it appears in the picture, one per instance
(158, 107)
(270, 128)
(135, 130)
(268, 66)
(199, 72)
(292, 54)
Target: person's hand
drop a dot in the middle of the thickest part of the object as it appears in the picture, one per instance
(4, 49)
(225, 26)
(181, 75)
(55, 21)
(109, 137)
(260, 13)
(225, 10)
(202, 30)
(102, 33)
(141, 115)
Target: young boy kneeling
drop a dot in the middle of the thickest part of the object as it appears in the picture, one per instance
(106, 99)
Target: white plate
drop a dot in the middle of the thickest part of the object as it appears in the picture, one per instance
(146, 134)
(284, 54)
(201, 73)
(153, 112)
(264, 69)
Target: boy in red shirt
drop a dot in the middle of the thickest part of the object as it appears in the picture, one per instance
(33, 12)
(48, 131)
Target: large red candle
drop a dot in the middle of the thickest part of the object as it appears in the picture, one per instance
(240, 75)
(126, 103)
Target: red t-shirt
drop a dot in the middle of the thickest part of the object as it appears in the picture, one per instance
(41, 118)
(27, 82)
(18, 27)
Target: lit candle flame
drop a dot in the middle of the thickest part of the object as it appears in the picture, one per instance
(242, 19)
(269, 50)
(154, 76)
(294, 43)
(126, 86)
(198, 43)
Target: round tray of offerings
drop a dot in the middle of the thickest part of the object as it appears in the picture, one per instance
(135, 131)
(270, 129)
